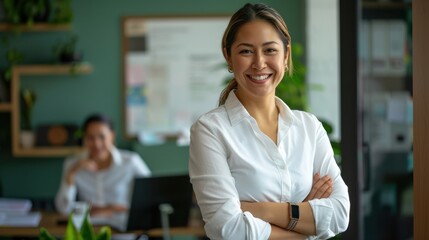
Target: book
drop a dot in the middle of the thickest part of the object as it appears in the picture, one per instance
(31, 219)
(11, 205)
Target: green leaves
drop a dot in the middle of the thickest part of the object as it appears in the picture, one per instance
(86, 231)
(45, 235)
(104, 234)
(293, 89)
(71, 231)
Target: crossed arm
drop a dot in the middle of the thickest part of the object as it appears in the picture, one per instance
(277, 214)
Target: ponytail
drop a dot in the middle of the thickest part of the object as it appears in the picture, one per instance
(224, 95)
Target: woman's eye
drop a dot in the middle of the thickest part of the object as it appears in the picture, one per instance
(245, 51)
(271, 50)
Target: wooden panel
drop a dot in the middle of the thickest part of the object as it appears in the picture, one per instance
(52, 69)
(47, 151)
(421, 118)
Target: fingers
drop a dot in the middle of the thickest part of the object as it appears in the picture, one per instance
(325, 189)
(322, 187)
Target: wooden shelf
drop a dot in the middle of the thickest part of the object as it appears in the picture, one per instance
(32, 70)
(46, 151)
(53, 69)
(37, 27)
(5, 107)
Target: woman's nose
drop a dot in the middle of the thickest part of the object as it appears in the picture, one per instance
(258, 61)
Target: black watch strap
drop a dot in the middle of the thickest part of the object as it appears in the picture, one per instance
(293, 216)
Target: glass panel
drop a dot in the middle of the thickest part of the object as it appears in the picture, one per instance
(385, 77)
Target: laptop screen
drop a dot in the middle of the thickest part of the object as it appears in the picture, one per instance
(150, 193)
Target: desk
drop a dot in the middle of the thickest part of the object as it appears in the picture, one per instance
(50, 220)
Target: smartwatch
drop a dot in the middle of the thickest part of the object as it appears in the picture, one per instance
(293, 216)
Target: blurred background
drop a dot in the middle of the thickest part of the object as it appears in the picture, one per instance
(95, 31)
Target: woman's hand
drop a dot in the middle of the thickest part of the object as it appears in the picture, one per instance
(108, 210)
(83, 164)
(322, 188)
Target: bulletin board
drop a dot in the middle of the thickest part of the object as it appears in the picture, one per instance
(173, 71)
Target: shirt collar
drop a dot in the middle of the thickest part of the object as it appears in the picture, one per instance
(237, 112)
(234, 108)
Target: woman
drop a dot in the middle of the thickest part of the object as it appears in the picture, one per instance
(259, 169)
(102, 175)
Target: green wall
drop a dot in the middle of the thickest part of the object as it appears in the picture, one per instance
(69, 99)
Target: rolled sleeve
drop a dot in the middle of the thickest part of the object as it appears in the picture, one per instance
(65, 198)
(331, 214)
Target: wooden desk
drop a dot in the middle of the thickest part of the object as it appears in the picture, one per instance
(50, 222)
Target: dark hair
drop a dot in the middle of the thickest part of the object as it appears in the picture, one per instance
(97, 118)
(248, 13)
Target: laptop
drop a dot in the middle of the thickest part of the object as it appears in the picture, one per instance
(147, 196)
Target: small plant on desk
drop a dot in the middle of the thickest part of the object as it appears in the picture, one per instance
(86, 231)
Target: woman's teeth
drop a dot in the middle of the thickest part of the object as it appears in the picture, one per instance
(260, 77)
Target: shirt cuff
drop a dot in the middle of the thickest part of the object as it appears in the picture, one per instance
(226, 225)
(67, 198)
(323, 213)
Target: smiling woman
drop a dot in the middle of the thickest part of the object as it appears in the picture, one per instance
(259, 169)
(101, 175)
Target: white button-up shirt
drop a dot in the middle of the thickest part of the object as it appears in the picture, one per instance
(110, 186)
(232, 160)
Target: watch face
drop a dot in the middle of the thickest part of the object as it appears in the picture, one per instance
(295, 211)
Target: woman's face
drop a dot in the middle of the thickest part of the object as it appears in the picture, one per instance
(98, 140)
(257, 59)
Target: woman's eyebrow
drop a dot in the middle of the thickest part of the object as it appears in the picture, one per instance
(251, 45)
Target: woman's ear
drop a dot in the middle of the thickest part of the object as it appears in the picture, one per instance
(287, 54)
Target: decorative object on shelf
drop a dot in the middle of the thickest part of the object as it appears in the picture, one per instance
(27, 139)
(27, 134)
(86, 232)
(57, 135)
(66, 52)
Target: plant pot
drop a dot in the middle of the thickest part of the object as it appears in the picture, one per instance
(70, 57)
(27, 139)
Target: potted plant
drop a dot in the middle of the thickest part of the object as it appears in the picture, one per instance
(61, 11)
(86, 231)
(26, 11)
(13, 57)
(66, 51)
(27, 135)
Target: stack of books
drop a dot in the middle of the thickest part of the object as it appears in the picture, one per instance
(17, 213)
